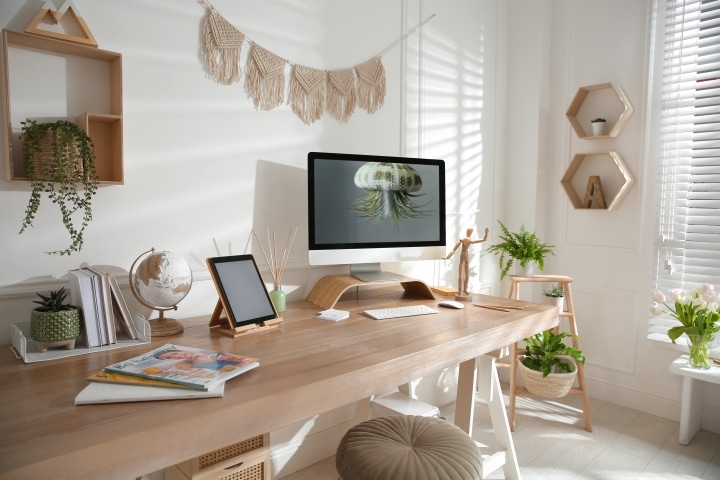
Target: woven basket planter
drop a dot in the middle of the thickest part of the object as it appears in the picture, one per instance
(46, 161)
(555, 385)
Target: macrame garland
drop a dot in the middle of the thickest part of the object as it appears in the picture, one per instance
(265, 78)
(363, 85)
(371, 85)
(223, 43)
(341, 94)
(307, 93)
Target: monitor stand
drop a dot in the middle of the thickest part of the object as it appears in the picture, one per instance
(328, 289)
(373, 272)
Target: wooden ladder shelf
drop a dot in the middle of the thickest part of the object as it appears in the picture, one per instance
(563, 283)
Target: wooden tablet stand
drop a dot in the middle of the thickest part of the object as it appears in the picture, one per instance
(223, 325)
(328, 290)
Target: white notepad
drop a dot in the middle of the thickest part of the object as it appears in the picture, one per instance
(97, 392)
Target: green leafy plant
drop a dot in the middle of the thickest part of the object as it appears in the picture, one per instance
(72, 166)
(55, 302)
(554, 292)
(523, 246)
(543, 349)
(598, 119)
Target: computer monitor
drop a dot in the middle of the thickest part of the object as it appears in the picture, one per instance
(367, 209)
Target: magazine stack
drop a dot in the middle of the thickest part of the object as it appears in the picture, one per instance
(165, 373)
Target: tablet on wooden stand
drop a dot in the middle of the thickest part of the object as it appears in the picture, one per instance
(244, 300)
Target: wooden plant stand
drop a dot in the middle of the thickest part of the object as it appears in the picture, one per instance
(328, 290)
(563, 283)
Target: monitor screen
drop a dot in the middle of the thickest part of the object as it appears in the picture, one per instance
(365, 209)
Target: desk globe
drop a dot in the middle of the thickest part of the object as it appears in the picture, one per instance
(161, 281)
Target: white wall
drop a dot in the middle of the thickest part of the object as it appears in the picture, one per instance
(485, 85)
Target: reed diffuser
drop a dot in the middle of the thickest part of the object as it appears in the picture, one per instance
(276, 265)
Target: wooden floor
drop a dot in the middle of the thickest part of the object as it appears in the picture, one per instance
(551, 443)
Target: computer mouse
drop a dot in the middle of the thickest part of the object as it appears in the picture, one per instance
(451, 304)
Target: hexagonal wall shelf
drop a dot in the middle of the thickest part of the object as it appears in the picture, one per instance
(567, 179)
(582, 95)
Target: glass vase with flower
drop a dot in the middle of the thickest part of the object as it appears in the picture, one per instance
(698, 312)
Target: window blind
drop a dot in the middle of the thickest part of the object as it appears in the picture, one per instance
(687, 245)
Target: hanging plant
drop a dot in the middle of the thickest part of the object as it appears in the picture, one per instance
(59, 160)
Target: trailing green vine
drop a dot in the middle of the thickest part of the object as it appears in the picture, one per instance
(60, 178)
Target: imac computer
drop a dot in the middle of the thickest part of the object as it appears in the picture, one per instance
(366, 209)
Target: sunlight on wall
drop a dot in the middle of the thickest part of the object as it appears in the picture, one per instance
(444, 113)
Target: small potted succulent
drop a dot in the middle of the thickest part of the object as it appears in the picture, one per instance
(548, 368)
(555, 296)
(598, 126)
(54, 323)
(523, 246)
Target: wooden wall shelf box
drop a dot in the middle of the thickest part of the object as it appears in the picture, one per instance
(580, 98)
(104, 128)
(577, 160)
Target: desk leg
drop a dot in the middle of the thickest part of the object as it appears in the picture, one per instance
(690, 409)
(465, 400)
(362, 410)
(490, 392)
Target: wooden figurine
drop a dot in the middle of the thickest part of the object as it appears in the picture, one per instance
(594, 193)
(464, 266)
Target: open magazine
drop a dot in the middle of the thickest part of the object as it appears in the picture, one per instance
(186, 366)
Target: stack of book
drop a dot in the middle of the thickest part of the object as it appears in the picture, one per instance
(104, 310)
(165, 373)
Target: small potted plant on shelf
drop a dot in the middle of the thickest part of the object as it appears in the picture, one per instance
(54, 323)
(523, 246)
(598, 126)
(555, 296)
(548, 367)
(59, 160)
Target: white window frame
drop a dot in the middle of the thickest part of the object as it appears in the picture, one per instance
(687, 232)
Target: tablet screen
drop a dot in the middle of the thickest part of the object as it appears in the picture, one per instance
(242, 290)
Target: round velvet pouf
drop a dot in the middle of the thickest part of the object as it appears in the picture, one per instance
(406, 447)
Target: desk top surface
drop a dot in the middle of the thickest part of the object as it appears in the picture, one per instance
(307, 366)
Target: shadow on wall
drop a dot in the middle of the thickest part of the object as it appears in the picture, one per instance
(280, 205)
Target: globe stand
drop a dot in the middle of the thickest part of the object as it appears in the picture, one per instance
(163, 326)
(160, 327)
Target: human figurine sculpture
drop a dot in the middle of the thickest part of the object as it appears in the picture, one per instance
(464, 266)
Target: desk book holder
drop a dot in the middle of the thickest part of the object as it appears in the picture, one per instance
(244, 306)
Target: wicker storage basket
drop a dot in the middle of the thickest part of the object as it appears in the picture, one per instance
(246, 460)
(46, 160)
(555, 385)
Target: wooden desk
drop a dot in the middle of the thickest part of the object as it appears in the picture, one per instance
(307, 366)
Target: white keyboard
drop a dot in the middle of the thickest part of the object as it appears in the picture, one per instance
(397, 312)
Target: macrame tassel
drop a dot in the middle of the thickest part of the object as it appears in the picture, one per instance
(265, 78)
(307, 93)
(371, 85)
(221, 54)
(341, 97)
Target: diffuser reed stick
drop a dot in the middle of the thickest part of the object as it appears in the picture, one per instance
(276, 265)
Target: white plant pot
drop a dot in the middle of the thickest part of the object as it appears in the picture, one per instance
(557, 301)
(555, 385)
(528, 271)
(598, 128)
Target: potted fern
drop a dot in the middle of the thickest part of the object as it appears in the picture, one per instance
(59, 160)
(54, 323)
(548, 368)
(523, 246)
